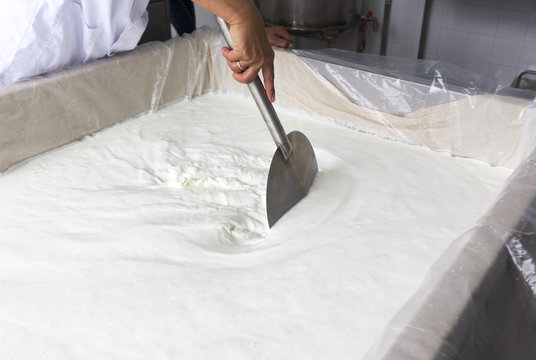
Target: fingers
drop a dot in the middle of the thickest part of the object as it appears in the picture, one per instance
(278, 36)
(281, 32)
(233, 59)
(248, 75)
(231, 55)
(248, 71)
(235, 66)
(251, 49)
(268, 75)
(280, 42)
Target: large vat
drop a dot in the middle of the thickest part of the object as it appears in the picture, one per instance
(479, 299)
(303, 15)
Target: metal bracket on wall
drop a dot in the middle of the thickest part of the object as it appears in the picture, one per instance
(366, 21)
(424, 28)
(526, 84)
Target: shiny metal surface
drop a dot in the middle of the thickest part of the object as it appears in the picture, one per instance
(289, 180)
(308, 15)
(270, 117)
(265, 106)
(294, 167)
(527, 84)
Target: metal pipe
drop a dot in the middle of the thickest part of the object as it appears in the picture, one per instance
(265, 106)
(424, 28)
(517, 80)
(385, 28)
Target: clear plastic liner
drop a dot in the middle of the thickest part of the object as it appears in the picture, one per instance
(54, 109)
(424, 83)
(479, 299)
(433, 104)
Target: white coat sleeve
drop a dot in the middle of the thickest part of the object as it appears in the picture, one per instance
(41, 36)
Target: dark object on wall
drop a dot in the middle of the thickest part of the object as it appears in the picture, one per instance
(424, 28)
(182, 15)
(159, 26)
(385, 29)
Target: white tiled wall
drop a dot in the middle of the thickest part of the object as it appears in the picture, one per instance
(494, 37)
(405, 28)
(204, 18)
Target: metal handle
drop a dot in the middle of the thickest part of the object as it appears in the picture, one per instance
(265, 106)
(517, 80)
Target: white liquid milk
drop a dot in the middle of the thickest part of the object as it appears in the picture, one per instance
(149, 240)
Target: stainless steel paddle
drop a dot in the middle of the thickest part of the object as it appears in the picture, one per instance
(293, 168)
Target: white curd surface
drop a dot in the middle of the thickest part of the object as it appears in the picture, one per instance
(149, 240)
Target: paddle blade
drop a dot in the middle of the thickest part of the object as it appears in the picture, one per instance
(289, 181)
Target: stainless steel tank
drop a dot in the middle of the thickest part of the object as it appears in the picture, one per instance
(308, 15)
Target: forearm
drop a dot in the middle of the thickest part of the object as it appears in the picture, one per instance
(251, 50)
(233, 12)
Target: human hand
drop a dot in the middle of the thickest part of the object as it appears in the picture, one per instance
(251, 52)
(278, 36)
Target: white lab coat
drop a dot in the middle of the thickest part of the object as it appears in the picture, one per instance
(41, 36)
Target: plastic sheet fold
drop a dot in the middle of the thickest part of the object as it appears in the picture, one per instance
(479, 299)
(434, 104)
